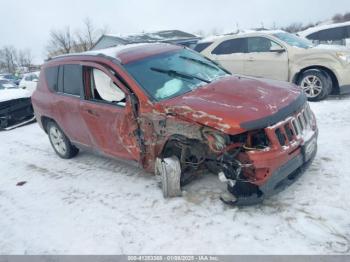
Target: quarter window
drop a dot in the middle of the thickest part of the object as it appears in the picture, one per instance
(73, 79)
(231, 46)
(51, 74)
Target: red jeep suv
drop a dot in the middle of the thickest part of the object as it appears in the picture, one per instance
(175, 113)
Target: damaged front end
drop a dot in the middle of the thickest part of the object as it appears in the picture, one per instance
(260, 163)
(254, 164)
(15, 112)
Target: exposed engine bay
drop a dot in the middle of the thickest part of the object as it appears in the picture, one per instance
(246, 162)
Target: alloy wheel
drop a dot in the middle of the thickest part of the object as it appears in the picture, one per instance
(312, 86)
(58, 140)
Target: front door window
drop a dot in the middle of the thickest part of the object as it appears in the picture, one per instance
(102, 88)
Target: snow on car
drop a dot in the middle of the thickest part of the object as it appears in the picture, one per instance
(15, 106)
(29, 81)
(336, 34)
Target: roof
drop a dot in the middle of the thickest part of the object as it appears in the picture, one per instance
(165, 35)
(109, 40)
(241, 34)
(129, 52)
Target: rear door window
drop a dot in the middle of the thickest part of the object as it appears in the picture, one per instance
(231, 46)
(73, 79)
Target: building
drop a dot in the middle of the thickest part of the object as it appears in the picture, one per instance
(168, 36)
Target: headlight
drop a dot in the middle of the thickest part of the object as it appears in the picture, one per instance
(216, 141)
(344, 57)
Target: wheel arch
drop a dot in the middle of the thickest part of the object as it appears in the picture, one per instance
(44, 122)
(331, 74)
(169, 144)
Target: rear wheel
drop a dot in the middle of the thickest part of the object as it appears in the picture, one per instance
(60, 142)
(169, 170)
(316, 84)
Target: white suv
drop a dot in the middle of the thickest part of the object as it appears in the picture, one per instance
(29, 81)
(282, 56)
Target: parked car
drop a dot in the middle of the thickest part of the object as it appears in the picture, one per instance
(174, 112)
(6, 84)
(15, 106)
(283, 56)
(10, 77)
(329, 34)
(29, 81)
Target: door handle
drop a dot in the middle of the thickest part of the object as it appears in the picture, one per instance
(91, 112)
(251, 59)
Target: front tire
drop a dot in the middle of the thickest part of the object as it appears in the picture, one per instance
(169, 170)
(316, 84)
(60, 142)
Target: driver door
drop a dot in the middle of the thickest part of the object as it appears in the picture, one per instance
(266, 59)
(108, 114)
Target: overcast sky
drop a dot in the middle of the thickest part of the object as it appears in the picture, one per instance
(26, 24)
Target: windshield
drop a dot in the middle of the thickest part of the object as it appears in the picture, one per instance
(174, 73)
(294, 40)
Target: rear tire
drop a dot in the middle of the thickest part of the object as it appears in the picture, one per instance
(316, 84)
(60, 142)
(169, 170)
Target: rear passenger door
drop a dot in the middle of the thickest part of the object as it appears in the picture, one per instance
(107, 113)
(66, 103)
(231, 54)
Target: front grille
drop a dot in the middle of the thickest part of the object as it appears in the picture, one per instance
(289, 132)
(280, 136)
(289, 129)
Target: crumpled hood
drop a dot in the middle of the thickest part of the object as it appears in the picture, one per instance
(236, 104)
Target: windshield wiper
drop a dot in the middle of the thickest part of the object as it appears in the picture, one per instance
(219, 66)
(178, 74)
(199, 62)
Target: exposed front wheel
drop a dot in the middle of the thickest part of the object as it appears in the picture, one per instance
(316, 84)
(60, 142)
(169, 170)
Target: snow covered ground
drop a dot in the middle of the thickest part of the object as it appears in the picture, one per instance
(95, 205)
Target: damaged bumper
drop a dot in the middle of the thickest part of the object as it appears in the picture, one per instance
(293, 147)
(284, 176)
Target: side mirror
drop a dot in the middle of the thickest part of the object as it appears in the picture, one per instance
(277, 50)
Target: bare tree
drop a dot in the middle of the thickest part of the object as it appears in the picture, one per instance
(346, 17)
(293, 28)
(8, 57)
(337, 18)
(87, 37)
(25, 58)
(61, 42)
